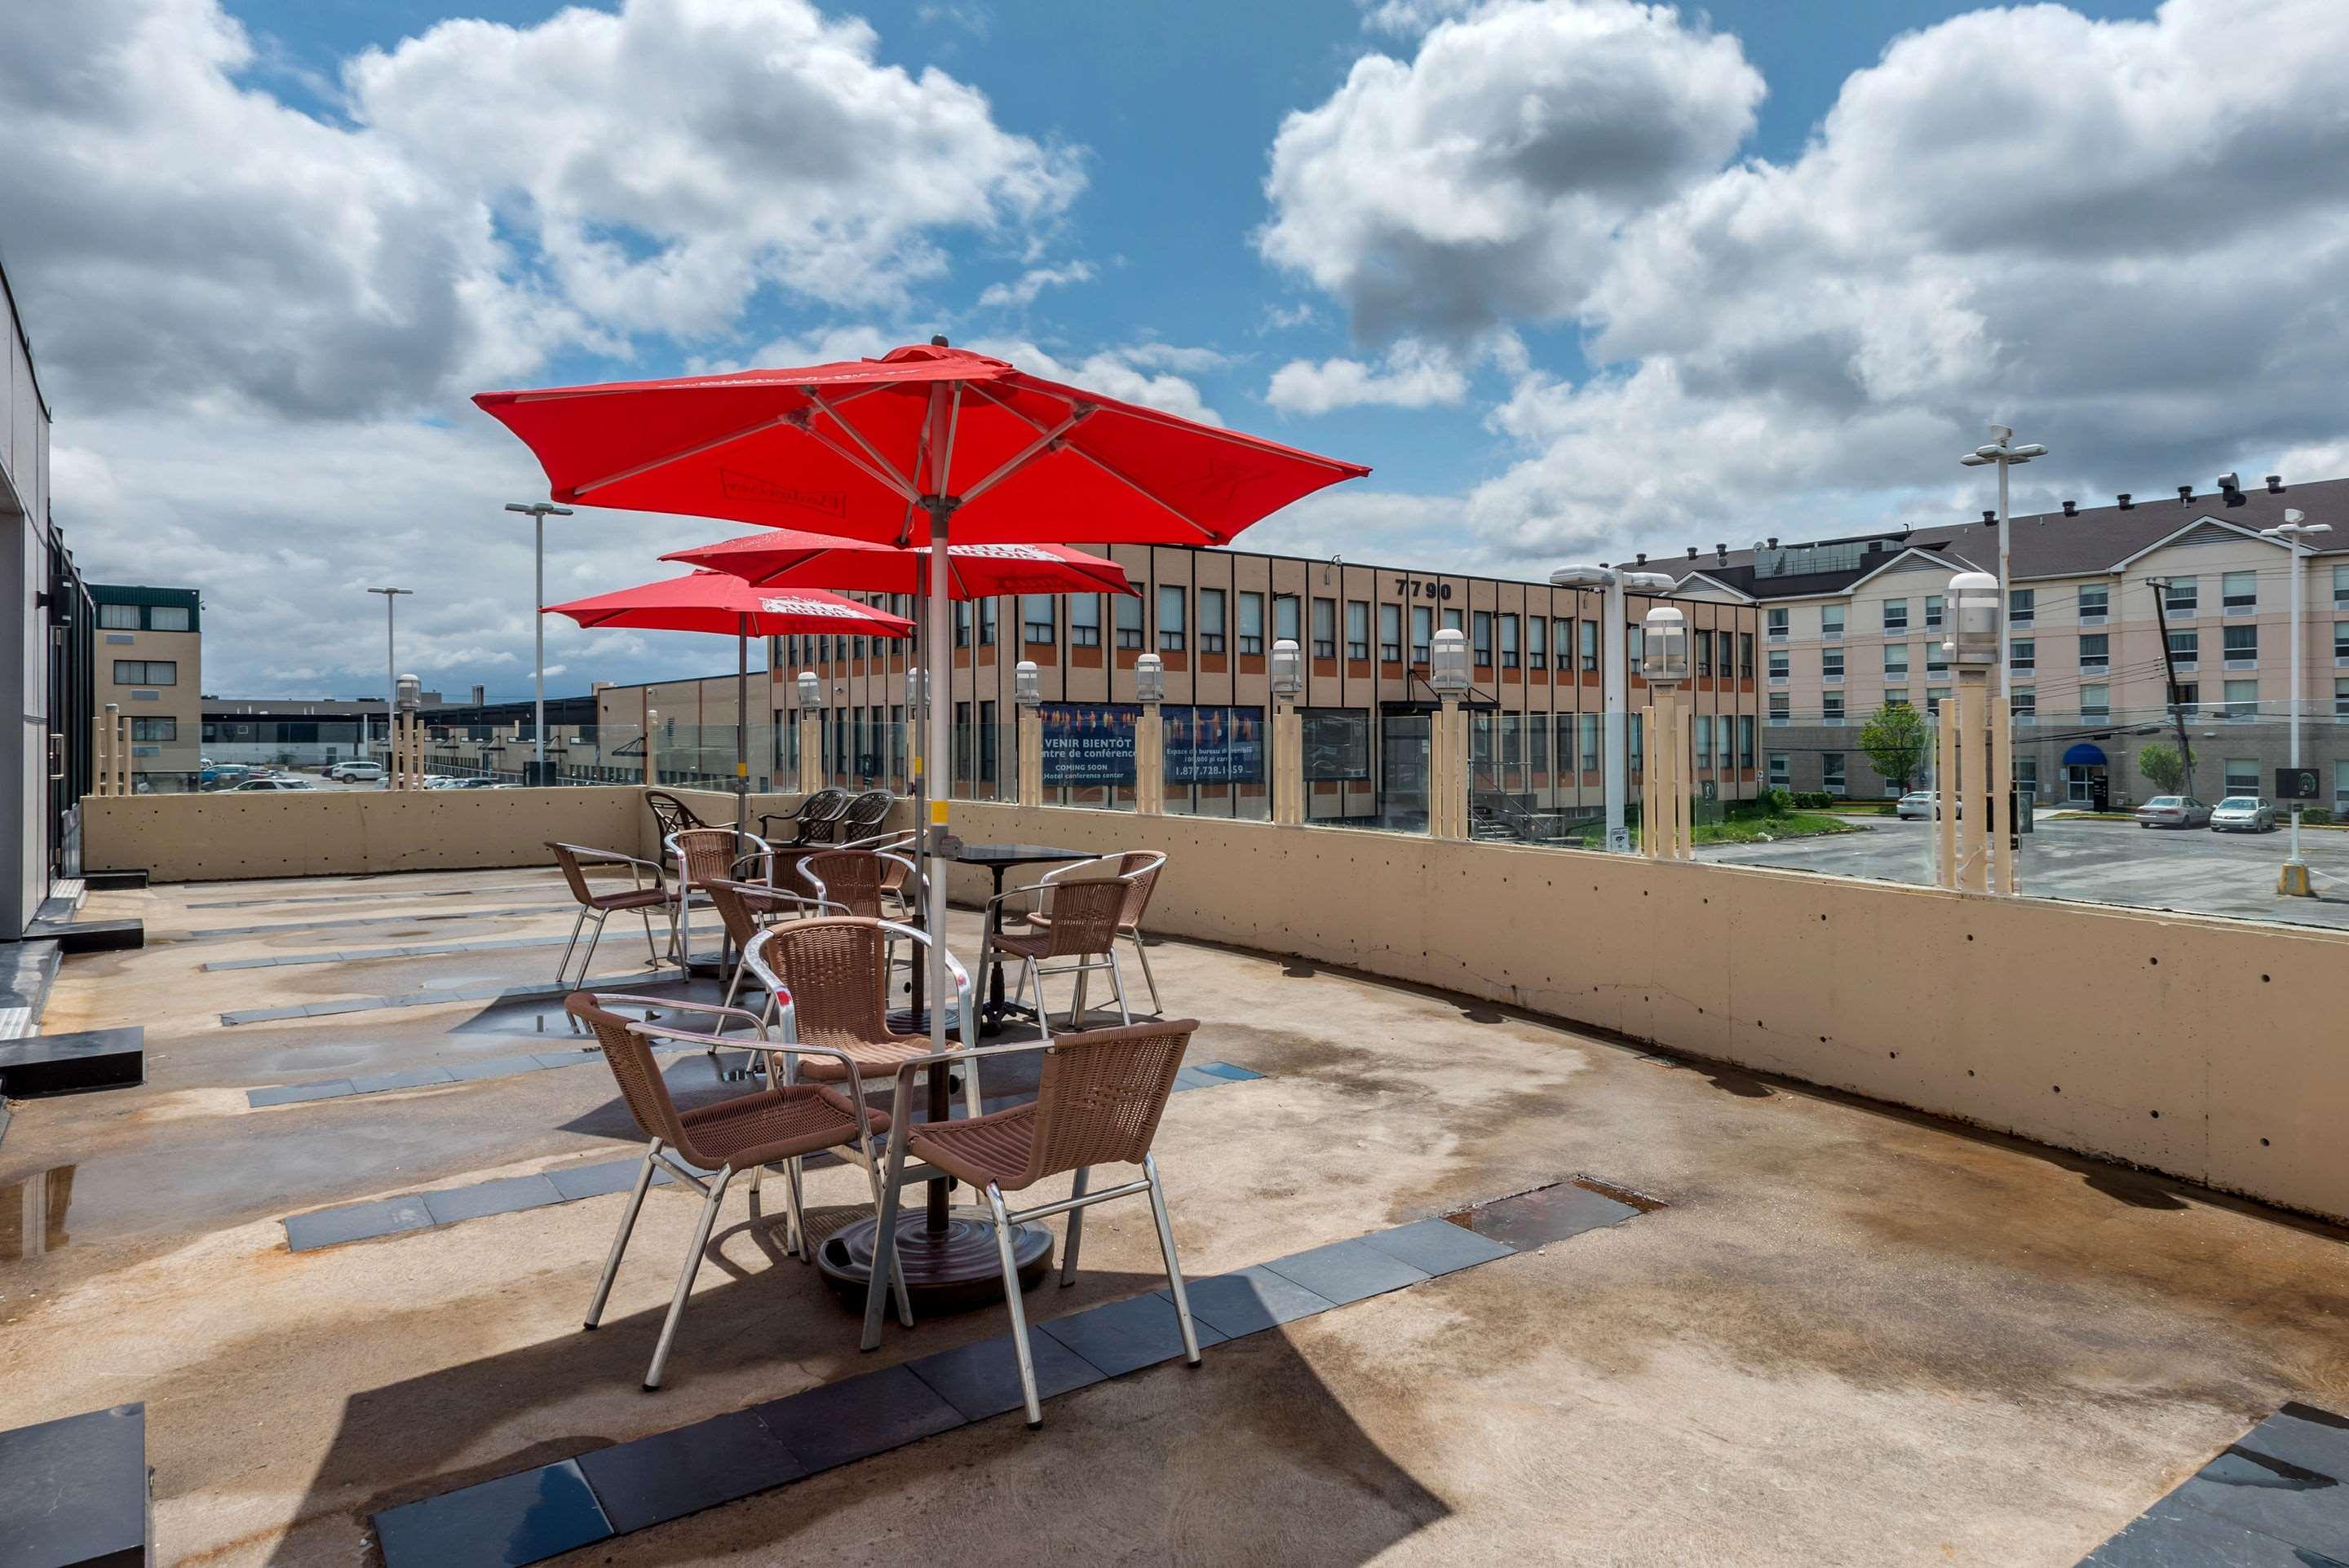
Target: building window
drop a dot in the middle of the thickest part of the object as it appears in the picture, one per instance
(2095, 702)
(1084, 621)
(1589, 723)
(1937, 657)
(2023, 704)
(1897, 698)
(987, 743)
(2096, 650)
(1251, 623)
(154, 729)
(2341, 699)
(2242, 776)
(2340, 587)
(2341, 642)
(1562, 642)
(1589, 644)
(1637, 752)
(1831, 620)
(1745, 742)
(1932, 612)
(2238, 592)
(118, 617)
(1703, 745)
(1896, 615)
(1774, 622)
(1358, 629)
(1537, 644)
(2026, 774)
(1781, 662)
(1635, 649)
(1171, 604)
(2182, 595)
(1782, 770)
(1934, 696)
(1538, 742)
(1391, 634)
(2185, 698)
(2242, 646)
(1285, 615)
(1038, 620)
(1703, 641)
(1831, 664)
(961, 633)
(1452, 621)
(1325, 628)
(1831, 772)
(1746, 656)
(1480, 639)
(1211, 620)
(1508, 641)
(1896, 661)
(2186, 648)
(2341, 787)
(2021, 606)
(2243, 699)
(147, 672)
(2024, 656)
(2095, 604)
(1782, 710)
(1129, 621)
(1422, 633)
(1831, 708)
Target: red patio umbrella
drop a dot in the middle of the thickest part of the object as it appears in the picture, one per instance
(784, 557)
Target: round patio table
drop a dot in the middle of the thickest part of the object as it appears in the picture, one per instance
(999, 859)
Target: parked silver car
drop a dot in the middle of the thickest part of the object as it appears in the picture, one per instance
(2173, 811)
(2242, 814)
(1922, 805)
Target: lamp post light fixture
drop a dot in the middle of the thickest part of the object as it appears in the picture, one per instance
(2001, 450)
(1667, 823)
(1027, 684)
(1447, 669)
(1288, 668)
(1975, 620)
(391, 597)
(811, 690)
(1973, 753)
(1614, 679)
(1666, 647)
(538, 511)
(1150, 676)
(2292, 534)
(1288, 734)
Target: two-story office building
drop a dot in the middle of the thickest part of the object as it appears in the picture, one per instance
(2109, 606)
(151, 664)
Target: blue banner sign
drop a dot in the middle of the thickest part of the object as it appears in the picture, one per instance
(1091, 743)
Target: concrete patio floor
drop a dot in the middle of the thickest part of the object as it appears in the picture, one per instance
(1853, 1335)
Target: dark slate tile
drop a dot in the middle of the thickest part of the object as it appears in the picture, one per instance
(857, 1416)
(2272, 1496)
(1249, 1299)
(510, 1521)
(2168, 1536)
(1437, 1246)
(76, 1489)
(356, 1222)
(983, 1379)
(1228, 1070)
(671, 1474)
(2305, 1436)
(503, 1196)
(409, 1077)
(1531, 1220)
(1123, 1336)
(495, 1067)
(577, 1181)
(1346, 1272)
(295, 1093)
(1191, 1078)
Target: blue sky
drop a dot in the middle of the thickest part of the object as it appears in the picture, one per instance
(1575, 276)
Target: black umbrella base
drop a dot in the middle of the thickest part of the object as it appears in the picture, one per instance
(953, 1271)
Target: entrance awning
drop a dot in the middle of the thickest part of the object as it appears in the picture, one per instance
(2084, 756)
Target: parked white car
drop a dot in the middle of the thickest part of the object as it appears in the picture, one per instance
(282, 782)
(356, 772)
(2242, 814)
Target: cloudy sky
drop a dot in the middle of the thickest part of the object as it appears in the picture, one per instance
(1577, 277)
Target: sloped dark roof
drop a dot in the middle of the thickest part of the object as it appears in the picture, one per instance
(2050, 544)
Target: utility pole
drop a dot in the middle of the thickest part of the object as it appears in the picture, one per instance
(1614, 651)
(2293, 533)
(390, 660)
(2160, 586)
(538, 511)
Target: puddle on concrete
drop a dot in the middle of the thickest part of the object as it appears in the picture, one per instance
(1531, 1220)
(33, 1213)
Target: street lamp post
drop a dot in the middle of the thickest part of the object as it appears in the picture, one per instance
(390, 661)
(539, 512)
(2293, 532)
(1614, 679)
(2003, 451)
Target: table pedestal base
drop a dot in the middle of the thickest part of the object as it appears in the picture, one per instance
(953, 1271)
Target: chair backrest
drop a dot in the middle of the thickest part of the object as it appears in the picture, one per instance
(834, 968)
(567, 857)
(1084, 915)
(852, 878)
(742, 906)
(819, 815)
(1138, 869)
(1101, 1094)
(671, 814)
(866, 812)
(706, 854)
(633, 1064)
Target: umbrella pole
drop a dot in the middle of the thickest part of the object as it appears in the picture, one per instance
(741, 730)
(940, 753)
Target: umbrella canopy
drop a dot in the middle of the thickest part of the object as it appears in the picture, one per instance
(785, 557)
(851, 449)
(718, 602)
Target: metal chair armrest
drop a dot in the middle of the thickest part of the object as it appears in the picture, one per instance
(630, 999)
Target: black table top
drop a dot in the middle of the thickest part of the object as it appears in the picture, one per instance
(1018, 854)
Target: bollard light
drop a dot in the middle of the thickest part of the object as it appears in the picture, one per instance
(916, 680)
(1447, 669)
(810, 691)
(411, 693)
(1026, 686)
(1974, 615)
(1150, 677)
(1288, 668)
(1666, 647)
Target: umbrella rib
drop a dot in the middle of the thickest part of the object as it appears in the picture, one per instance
(1137, 488)
(578, 491)
(897, 482)
(1026, 454)
(884, 477)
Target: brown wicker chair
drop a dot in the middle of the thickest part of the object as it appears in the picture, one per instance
(1074, 929)
(1139, 870)
(827, 979)
(748, 908)
(1098, 1102)
(779, 1123)
(575, 859)
(670, 815)
(812, 821)
(701, 856)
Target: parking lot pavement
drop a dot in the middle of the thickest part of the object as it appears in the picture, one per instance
(2192, 869)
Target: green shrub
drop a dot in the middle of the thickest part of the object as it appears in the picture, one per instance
(2318, 814)
(1778, 802)
(1814, 801)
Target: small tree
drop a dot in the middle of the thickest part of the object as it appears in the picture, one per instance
(2165, 765)
(1894, 739)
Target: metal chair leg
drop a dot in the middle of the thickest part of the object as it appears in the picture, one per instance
(1166, 1250)
(588, 959)
(1043, 1014)
(1012, 1299)
(970, 1102)
(1148, 978)
(620, 1242)
(1117, 988)
(1076, 1228)
(897, 1276)
(562, 965)
(651, 952)
(1077, 1005)
(685, 1275)
(800, 1243)
(884, 1248)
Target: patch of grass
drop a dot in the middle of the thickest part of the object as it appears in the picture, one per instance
(2091, 817)
(1754, 830)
